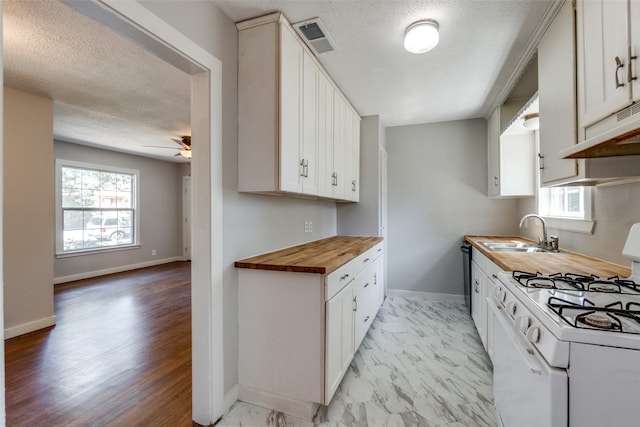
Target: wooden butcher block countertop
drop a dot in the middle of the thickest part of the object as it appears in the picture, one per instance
(546, 263)
(320, 256)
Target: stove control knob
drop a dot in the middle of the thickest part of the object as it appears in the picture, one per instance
(512, 308)
(523, 323)
(533, 334)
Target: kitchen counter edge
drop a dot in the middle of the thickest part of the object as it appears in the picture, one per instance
(319, 256)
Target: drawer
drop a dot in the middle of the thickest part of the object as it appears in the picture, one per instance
(343, 275)
(365, 284)
(363, 318)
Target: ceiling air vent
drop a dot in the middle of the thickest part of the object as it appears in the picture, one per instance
(315, 35)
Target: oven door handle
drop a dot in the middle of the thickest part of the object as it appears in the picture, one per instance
(527, 353)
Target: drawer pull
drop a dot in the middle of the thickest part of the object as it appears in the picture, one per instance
(375, 278)
(355, 303)
(380, 250)
(366, 284)
(366, 319)
(345, 276)
(494, 276)
(366, 260)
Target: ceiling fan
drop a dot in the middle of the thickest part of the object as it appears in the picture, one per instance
(185, 146)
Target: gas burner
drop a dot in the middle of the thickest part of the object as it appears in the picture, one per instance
(613, 317)
(597, 321)
(576, 282)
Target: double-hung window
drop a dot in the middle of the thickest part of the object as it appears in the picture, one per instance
(95, 207)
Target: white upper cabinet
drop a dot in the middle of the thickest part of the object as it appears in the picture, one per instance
(309, 153)
(291, 103)
(557, 94)
(294, 125)
(511, 158)
(606, 58)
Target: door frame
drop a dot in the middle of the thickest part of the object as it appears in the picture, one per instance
(134, 21)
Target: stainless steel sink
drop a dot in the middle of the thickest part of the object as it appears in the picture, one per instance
(514, 247)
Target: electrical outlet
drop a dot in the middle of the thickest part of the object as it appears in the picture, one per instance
(153, 252)
(310, 226)
(306, 226)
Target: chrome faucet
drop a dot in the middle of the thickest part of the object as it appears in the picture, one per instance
(544, 242)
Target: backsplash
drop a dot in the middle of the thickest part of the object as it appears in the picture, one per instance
(615, 209)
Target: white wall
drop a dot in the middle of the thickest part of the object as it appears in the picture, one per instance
(252, 223)
(616, 209)
(160, 211)
(438, 193)
(28, 212)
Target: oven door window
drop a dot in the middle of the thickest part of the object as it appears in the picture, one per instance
(527, 391)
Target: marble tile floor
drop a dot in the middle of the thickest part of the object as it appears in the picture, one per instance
(420, 364)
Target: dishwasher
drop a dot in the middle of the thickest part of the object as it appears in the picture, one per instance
(466, 261)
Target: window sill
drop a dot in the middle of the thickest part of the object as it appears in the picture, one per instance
(96, 251)
(574, 225)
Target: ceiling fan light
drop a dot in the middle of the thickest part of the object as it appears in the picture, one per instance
(421, 36)
(186, 153)
(531, 121)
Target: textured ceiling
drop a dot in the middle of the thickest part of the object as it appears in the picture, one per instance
(107, 91)
(480, 43)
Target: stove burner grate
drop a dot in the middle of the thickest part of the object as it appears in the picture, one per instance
(591, 316)
(579, 282)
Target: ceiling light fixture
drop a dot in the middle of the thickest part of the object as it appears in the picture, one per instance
(421, 36)
(531, 121)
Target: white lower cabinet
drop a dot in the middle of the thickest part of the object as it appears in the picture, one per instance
(484, 277)
(298, 332)
(340, 338)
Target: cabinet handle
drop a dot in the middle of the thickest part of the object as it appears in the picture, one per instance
(619, 65)
(476, 287)
(494, 276)
(302, 167)
(345, 276)
(541, 162)
(306, 168)
(366, 319)
(495, 181)
(630, 76)
(353, 185)
(366, 284)
(375, 278)
(380, 250)
(355, 303)
(334, 179)
(366, 260)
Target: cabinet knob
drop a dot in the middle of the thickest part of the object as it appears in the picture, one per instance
(630, 76)
(619, 65)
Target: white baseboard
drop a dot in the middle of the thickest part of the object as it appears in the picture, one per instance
(231, 397)
(25, 328)
(427, 295)
(112, 270)
(305, 410)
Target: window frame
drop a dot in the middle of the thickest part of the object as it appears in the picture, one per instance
(135, 201)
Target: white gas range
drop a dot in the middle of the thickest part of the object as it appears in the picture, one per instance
(567, 347)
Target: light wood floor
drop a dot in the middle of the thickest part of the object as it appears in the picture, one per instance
(119, 355)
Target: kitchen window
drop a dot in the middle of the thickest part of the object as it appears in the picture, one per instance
(567, 208)
(95, 207)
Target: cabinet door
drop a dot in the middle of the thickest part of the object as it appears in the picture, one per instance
(290, 109)
(309, 126)
(379, 279)
(339, 141)
(325, 136)
(339, 339)
(557, 94)
(478, 306)
(493, 154)
(603, 63)
(352, 159)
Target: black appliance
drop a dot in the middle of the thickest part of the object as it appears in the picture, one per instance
(466, 261)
